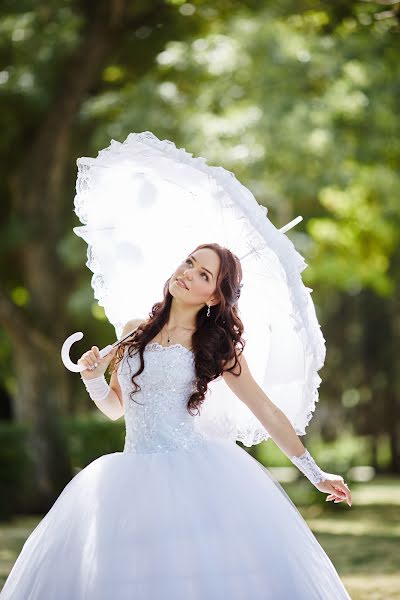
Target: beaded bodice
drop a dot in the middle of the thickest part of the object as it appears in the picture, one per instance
(156, 418)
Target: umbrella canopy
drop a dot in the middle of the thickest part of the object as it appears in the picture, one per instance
(145, 205)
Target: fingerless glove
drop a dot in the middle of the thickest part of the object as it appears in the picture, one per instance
(97, 387)
(307, 465)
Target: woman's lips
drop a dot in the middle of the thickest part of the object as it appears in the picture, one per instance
(181, 284)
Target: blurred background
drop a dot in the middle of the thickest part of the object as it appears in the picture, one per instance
(300, 99)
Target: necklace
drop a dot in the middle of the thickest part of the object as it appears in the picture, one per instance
(186, 328)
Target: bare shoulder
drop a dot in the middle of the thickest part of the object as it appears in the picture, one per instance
(131, 325)
(241, 366)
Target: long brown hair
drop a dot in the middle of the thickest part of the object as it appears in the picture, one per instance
(217, 338)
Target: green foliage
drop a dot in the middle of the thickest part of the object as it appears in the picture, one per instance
(92, 436)
(300, 104)
(299, 100)
(88, 438)
(337, 456)
(14, 468)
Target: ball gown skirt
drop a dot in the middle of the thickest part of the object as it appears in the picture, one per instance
(175, 516)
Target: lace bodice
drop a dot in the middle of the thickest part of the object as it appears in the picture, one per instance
(161, 422)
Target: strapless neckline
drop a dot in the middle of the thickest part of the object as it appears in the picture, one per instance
(152, 345)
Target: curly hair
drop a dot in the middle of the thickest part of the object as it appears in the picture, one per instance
(217, 338)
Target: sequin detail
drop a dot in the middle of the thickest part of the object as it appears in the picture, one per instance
(161, 422)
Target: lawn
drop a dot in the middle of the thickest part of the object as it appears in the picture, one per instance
(363, 541)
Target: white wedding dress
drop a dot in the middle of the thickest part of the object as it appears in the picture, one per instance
(175, 516)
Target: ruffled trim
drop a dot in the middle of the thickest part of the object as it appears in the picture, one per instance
(292, 261)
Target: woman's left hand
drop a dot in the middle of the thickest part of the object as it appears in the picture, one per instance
(337, 489)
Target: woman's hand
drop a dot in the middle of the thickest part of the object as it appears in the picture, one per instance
(95, 365)
(337, 489)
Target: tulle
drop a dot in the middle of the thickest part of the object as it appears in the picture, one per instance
(210, 523)
(145, 204)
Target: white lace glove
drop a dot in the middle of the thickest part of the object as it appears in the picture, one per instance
(328, 483)
(97, 387)
(307, 465)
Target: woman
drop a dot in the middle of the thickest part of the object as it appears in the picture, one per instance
(177, 515)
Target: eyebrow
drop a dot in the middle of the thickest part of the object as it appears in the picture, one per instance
(191, 256)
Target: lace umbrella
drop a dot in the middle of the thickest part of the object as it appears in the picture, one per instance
(145, 204)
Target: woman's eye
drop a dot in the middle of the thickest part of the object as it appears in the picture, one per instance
(190, 260)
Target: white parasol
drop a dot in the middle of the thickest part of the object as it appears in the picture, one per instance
(145, 204)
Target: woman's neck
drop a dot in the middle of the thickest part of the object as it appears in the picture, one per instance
(182, 318)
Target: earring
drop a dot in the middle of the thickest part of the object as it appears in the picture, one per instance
(208, 312)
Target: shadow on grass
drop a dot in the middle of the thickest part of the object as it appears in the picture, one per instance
(357, 555)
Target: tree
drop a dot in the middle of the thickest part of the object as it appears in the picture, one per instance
(73, 44)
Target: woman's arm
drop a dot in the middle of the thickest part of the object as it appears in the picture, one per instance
(112, 404)
(280, 428)
(270, 416)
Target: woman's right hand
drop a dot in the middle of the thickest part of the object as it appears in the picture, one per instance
(95, 365)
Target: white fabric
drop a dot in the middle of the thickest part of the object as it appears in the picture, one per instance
(307, 465)
(181, 518)
(146, 204)
(97, 388)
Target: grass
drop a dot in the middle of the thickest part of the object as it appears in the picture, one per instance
(363, 541)
(12, 537)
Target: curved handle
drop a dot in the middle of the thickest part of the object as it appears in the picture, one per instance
(66, 347)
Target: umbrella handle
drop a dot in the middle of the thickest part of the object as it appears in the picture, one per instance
(66, 347)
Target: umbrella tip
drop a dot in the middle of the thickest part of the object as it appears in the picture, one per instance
(288, 226)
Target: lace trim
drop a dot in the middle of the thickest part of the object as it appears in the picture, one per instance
(156, 345)
(307, 465)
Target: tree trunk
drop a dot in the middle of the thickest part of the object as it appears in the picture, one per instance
(40, 397)
(380, 372)
(374, 451)
(38, 202)
(392, 351)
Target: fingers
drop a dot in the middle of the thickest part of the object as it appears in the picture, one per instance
(344, 491)
(95, 357)
(341, 492)
(334, 498)
(91, 358)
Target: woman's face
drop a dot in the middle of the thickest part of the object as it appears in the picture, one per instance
(199, 272)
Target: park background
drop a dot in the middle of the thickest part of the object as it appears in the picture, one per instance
(300, 99)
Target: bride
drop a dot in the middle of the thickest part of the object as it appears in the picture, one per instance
(178, 515)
